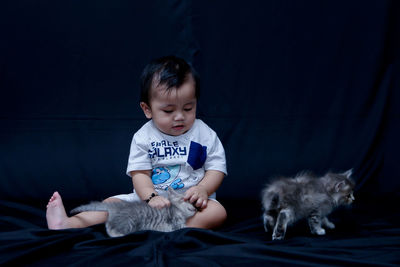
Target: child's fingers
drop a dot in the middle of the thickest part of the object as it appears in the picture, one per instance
(201, 203)
(204, 204)
(196, 197)
(166, 203)
(193, 199)
(188, 194)
(159, 202)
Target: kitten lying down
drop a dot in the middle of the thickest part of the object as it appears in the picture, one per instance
(127, 217)
(287, 200)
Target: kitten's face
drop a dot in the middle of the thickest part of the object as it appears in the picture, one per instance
(349, 198)
(344, 191)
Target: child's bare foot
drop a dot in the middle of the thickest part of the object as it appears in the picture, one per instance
(55, 214)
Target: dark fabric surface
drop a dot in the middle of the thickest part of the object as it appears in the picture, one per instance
(287, 85)
(358, 240)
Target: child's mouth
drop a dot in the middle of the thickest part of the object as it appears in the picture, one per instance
(177, 128)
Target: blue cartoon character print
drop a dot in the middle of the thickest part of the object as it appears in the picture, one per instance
(160, 175)
(177, 184)
(167, 176)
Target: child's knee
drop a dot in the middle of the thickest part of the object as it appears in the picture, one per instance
(218, 211)
(213, 216)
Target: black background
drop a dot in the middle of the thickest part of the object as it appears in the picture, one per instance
(287, 85)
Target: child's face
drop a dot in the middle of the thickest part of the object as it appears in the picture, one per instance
(173, 112)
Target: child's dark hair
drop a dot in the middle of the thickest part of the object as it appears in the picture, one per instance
(170, 71)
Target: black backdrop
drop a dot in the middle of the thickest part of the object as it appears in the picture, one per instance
(287, 85)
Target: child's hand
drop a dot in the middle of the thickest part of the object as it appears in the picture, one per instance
(159, 202)
(197, 195)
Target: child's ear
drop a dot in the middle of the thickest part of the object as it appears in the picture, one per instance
(146, 110)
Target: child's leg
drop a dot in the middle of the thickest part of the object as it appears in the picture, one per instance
(211, 217)
(57, 217)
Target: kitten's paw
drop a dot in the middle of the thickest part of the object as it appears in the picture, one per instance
(277, 237)
(113, 233)
(328, 224)
(320, 231)
(278, 234)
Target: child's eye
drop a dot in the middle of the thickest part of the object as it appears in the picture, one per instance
(188, 109)
(168, 111)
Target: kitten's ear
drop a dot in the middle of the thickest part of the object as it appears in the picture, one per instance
(348, 173)
(172, 193)
(339, 186)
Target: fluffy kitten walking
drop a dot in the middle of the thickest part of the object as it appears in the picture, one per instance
(127, 217)
(288, 200)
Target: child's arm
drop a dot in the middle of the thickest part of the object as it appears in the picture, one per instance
(198, 195)
(144, 188)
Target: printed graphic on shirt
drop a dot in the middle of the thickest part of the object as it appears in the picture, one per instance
(197, 155)
(166, 150)
(163, 177)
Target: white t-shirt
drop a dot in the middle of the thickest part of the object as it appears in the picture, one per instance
(176, 161)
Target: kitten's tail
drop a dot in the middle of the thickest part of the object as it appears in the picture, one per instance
(93, 206)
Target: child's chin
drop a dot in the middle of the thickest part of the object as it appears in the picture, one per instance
(173, 133)
(178, 131)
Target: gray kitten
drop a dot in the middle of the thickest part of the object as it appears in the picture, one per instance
(127, 217)
(288, 200)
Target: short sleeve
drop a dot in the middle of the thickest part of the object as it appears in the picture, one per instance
(138, 155)
(216, 155)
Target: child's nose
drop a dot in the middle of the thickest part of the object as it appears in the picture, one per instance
(179, 116)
